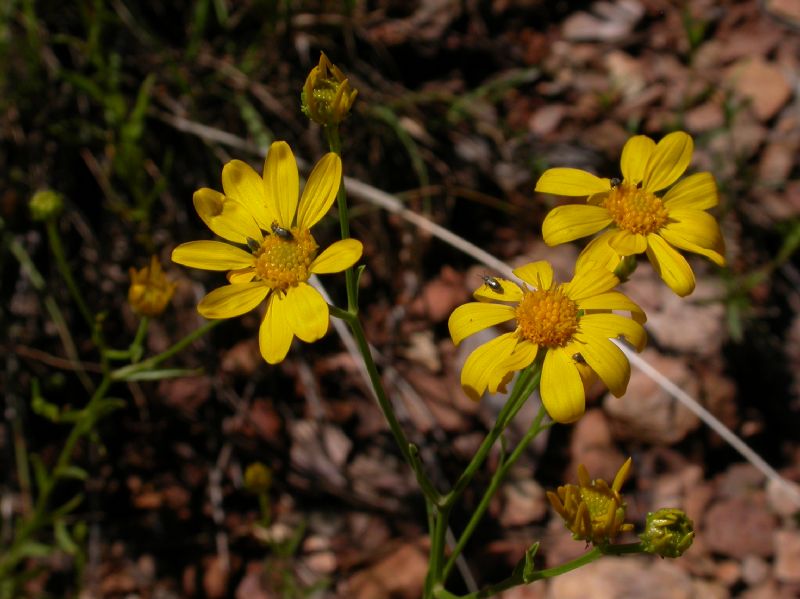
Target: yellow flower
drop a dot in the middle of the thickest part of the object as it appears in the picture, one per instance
(638, 219)
(593, 510)
(327, 96)
(571, 323)
(263, 214)
(150, 290)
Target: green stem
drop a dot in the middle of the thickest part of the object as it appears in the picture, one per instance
(61, 262)
(152, 362)
(335, 145)
(408, 450)
(535, 428)
(586, 558)
(527, 382)
(37, 280)
(41, 513)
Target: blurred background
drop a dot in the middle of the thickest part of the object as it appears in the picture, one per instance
(126, 108)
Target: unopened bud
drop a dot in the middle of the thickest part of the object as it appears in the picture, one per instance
(257, 478)
(327, 96)
(46, 204)
(668, 532)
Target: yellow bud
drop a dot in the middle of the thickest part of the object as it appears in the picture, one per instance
(150, 290)
(46, 204)
(257, 478)
(327, 96)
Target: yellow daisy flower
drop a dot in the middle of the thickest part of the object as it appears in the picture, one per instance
(572, 323)
(638, 219)
(264, 215)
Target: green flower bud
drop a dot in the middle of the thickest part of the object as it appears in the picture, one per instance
(46, 204)
(668, 532)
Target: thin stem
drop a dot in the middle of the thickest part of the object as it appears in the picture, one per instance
(57, 248)
(526, 383)
(535, 428)
(407, 449)
(150, 363)
(335, 145)
(41, 513)
(586, 558)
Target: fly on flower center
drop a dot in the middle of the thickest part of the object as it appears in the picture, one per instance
(547, 317)
(282, 261)
(635, 210)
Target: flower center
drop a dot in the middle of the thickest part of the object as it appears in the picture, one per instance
(283, 261)
(547, 317)
(635, 210)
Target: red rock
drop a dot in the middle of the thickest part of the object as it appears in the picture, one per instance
(738, 527)
(762, 83)
(649, 413)
(787, 556)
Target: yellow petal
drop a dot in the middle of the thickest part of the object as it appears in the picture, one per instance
(281, 183)
(590, 281)
(599, 252)
(565, 223)
(538, 275)
(571, 182)
(241, 183)
(307, 312)
(635, 155)
(241, 275)
(670, 265)
(232, 300)
(523, 355)
(695, 231)
(612, 300)
(482, 368)
(275, 335)
(607, 360)
(626, 243)
(226, 217)
(320, 190)
(669, 160)
(212, 255)
(510, 292)
(337, 257)
(613, 326)
(698, 191)
(561, 387)
(470, 318)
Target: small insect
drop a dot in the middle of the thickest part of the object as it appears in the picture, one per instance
(284, 234)
(615, 182)
(579, 358)
(492, 283)
(253, 244)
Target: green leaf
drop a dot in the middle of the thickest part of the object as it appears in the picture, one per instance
(34, 549)
(64, 539)
(68, 506)
(40, 473)
(161, 373)
(72, 472)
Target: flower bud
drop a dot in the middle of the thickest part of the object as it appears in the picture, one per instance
(46, 204)
(593, 510)
(668, 532)
(257, 478)
(327, 96)
(150, 290)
